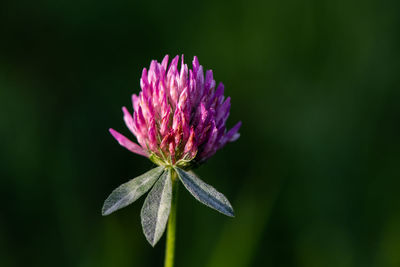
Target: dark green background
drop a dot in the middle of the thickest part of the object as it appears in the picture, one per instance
(314, 178)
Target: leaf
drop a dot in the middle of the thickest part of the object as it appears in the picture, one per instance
(128, 192)
(156, 208)
(205, 193)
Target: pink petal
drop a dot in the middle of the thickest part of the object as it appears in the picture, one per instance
(232, 135)
(128, 120)
(200, 81)
(191, 147)
(128, 144)
(144, 80)
(209, 146)
(173, 69)
(164, 63)
(153, 73)
(152, 136)
(165, 123)
(135, 102)
(196, 64)
(209, 82)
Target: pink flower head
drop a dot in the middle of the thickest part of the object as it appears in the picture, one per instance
(179, 116)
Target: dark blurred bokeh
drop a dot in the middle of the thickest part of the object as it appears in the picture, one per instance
(314, 178)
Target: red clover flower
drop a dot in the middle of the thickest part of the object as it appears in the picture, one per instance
(179, 121)
(179, 116)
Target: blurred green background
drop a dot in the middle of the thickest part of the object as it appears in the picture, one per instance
(314, 178)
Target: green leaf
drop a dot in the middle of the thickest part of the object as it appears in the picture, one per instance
(205, 193)
(128, 192)
(156, 208)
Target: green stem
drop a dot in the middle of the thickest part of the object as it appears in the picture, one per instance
(170, 247)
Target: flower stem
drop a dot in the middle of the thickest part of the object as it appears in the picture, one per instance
(170, 247)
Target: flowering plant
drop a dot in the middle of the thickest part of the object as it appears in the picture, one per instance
(179, 122)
